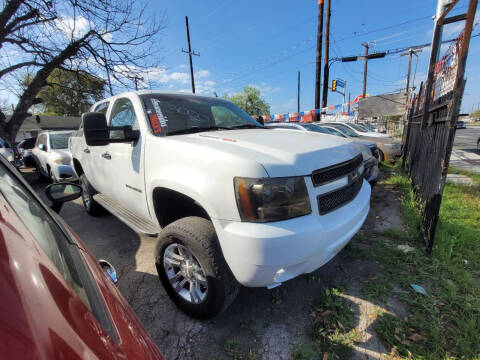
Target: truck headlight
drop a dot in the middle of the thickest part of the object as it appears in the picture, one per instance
(271, 199)
(61, 161)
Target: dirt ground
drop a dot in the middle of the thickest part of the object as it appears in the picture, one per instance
(261, 323)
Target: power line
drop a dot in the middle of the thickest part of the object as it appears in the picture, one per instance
(273, 64)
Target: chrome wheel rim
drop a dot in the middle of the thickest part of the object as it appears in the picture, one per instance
(85, 195)
(185, 274)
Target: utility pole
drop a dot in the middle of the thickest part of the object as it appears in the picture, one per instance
(318, 59)
(364, 92)
(135, 79)
(190, 53)
(326, 69)
(298, 92)
(349, 102)
(410, 53)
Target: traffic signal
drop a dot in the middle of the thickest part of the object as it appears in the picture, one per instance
(334, 85)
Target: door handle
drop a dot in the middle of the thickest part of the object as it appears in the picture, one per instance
(106, 155)
(86, 150)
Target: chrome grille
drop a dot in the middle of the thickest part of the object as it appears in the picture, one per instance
(336, 171)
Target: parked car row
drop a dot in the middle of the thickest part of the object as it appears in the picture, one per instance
(57, 300)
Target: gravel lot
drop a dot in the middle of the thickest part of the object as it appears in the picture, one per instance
(261, 323)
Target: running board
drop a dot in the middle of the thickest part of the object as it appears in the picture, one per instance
(126, 216)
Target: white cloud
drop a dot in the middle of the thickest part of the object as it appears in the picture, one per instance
(265, 88)
(289, 106)
(210, 83)
(201, 74)
(71, 27)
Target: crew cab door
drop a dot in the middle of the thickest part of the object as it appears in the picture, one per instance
(123, 161)
(41, 154)
(91, 156)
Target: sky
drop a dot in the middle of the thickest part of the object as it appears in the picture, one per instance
(265, 42)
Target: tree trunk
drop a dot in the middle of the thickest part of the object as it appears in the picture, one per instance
(9, 130)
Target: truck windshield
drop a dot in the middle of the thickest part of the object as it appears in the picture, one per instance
(173, 114)
(59, 141)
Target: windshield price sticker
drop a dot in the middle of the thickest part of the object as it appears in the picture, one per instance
(163, 120)
(157, 128)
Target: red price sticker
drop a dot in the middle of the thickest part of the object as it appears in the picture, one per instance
(157, 128)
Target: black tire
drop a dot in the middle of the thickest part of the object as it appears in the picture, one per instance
(91, 206)
(38, 172)
(381, 156)
(51, 177)
(198, 236)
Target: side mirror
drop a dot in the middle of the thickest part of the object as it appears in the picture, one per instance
(42, 147)
(97, 133)
(95, 129)
(59, 193)
(109, 270)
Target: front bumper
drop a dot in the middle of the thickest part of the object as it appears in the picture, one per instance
(267, 254)
(64, 173)
(391, 153)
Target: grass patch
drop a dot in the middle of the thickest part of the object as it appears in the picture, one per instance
(332, 330)
(445, 324)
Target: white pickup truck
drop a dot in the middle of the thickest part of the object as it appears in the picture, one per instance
(230, 201)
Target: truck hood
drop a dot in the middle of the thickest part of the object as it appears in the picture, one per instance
(281, 153)
(63, 153)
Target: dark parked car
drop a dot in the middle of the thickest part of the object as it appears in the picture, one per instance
(57, 301)
(461, 125)
(478, 144)
(25, 149)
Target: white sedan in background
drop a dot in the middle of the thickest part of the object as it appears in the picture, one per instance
(359, 129)
(368, 149)
(52, 156)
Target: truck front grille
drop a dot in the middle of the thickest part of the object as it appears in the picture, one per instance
(336, 171)
(335, 199)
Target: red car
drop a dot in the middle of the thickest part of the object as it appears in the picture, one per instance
(56, 300)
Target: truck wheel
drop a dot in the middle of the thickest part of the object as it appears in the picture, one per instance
(93, 208)
(51, 176)
(38, 172)
(192, 269)
(381, 157)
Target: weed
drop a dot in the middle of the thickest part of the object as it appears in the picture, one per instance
(304, 352)
(249, 326)
(231, 348)
(332, 331)
(376, 289)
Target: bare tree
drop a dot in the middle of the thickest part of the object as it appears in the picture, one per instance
(112, 38)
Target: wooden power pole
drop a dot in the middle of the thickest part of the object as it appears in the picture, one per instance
(364, 92)
(190, 53)
(318, 59)
(326, 69)
(298, 92)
